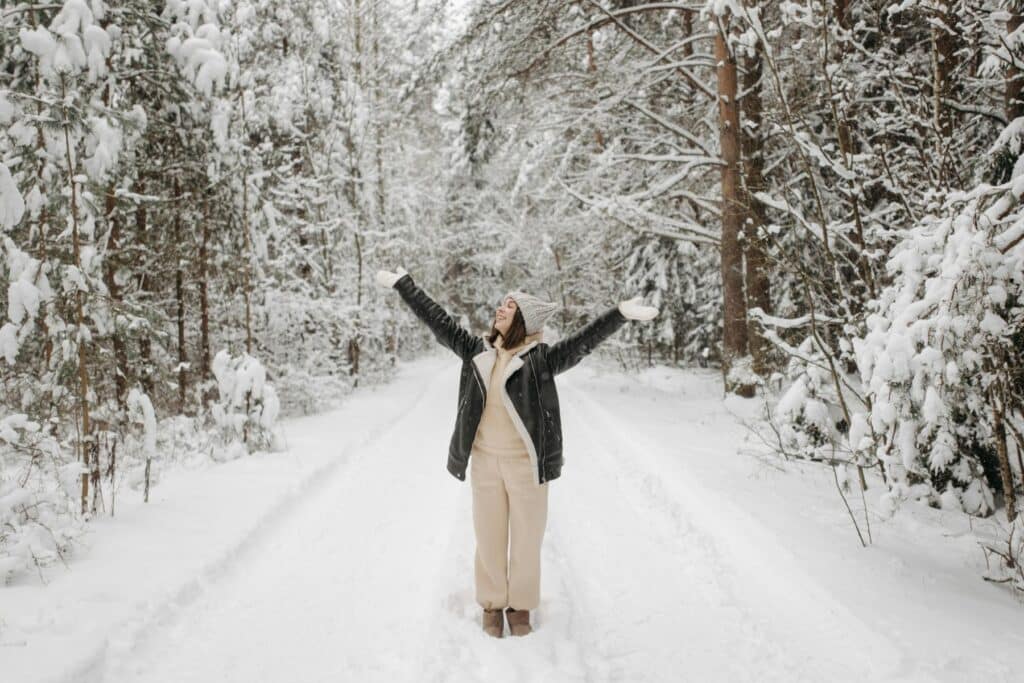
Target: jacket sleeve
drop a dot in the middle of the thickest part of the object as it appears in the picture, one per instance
(571, 350)
(444, 327)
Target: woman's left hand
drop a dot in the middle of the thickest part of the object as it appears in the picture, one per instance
(634, 309)
(387, 279)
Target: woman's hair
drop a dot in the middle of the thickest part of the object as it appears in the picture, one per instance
(516, 332)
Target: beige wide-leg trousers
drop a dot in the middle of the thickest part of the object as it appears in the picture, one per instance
(510, 511)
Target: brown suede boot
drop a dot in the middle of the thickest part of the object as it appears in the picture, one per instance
(494, 622)
(519, 621)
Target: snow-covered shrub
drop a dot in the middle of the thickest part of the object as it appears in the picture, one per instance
(942, 353)
(40, 485)
(938, 360)
(248, 406)
(807, 412)
(140, 440)
(140, 410)
(741, 373)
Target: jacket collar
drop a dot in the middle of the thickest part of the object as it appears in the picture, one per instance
(484, 360)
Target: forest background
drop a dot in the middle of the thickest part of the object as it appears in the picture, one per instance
(823, 199)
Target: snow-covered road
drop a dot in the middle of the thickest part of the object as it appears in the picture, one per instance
(370, 579)
(668, 558)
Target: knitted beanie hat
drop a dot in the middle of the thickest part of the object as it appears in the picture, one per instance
(535, 311)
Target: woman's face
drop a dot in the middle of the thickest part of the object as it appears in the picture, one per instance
(504, 314)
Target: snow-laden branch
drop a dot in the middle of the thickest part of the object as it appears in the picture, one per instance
(685, 73)
(787, 323)
(1009, 198)
(667, 184)
(686, 231)
(668, 125)
(782, 205)
(669, 158)
(609, 17)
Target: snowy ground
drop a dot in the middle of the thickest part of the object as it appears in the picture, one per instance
(670, 556)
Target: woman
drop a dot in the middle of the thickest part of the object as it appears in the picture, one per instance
(508, 420)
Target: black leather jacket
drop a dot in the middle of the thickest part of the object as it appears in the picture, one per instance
(531, 398)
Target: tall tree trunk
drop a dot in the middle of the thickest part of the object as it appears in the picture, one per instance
(87, 440)
(352, 192)
(1012, 100)
(145, 371)
(354, 341)
(591, 69)
(998, 406)
(944, 49)
(758, 288)
(179, 295)
(247, 269)
(110, 264)
(734, 320)
(43, 256)
(204, 297)
(357, 38)
(379, 123)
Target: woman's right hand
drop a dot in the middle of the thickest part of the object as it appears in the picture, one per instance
(387, 279)
(634, 309)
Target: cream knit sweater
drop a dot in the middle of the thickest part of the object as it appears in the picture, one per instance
(497, 434)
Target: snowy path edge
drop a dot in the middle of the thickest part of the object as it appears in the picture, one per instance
(739, 537)
(125, 636)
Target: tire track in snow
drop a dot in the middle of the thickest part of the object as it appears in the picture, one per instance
(281, 587)
(367, 575)
(649, 580)
(720, 633)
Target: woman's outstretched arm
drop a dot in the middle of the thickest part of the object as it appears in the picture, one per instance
(444, 327)
(571, 350)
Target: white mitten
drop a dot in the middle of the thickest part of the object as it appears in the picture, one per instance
(634, 309)
(385, 278)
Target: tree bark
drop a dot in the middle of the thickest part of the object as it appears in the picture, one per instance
(944, 61)
(352, 191)
(379, 123)
(86, 440)
(110, 264)
(43, 216)
(842, 14)
(686, 19)
(204, 298)
(354, 341)
(1005, 471)
(179, 295)
(247, 269)
(1012, 100)
(734, 322)
(758, 287)
(145, 372)
(591, 69)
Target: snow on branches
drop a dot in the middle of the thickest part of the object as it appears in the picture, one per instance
(248, 407)
(38, 489)
(12, 205)
(72, 43)
(196, 44)
(941, 358)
